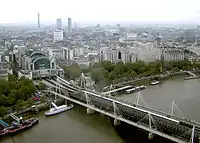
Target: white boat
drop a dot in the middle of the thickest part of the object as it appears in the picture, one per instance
(155, 83)
(58, 109)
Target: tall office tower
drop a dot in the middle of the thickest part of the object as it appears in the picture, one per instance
(59, 23)
(38, 20)
(75, 28)
(69, 27)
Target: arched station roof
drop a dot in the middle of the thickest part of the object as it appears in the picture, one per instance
(41, 63)
(36, 55)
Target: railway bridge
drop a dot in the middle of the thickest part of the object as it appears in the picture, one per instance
(155, 122)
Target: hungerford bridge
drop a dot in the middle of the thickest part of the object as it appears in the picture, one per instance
(167, 125)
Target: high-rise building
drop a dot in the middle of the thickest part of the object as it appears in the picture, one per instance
(69, 27)
(58, 35)
(75, 28)
(59, 23)
(38, 20)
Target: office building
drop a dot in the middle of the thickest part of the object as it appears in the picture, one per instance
(58, 35)
(69, 27)
(59, 23)
(38, 20)
(173, 54)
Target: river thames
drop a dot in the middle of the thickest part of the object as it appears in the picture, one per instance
(75, 126)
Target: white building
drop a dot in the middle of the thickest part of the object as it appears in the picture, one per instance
(83, 61)
(173, 54)
(68, 54)
(58, 35)
(145, 52)
(114, 54)
(26, 74)
(56, 53)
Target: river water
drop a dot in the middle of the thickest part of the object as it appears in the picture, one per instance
(75, 126)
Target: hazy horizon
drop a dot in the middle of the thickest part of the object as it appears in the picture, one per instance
(101, 11)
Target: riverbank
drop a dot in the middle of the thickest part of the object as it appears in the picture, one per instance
(34, 110)
(146, 80)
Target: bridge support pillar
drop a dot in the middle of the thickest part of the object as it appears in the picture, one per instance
(150, 136)
(116, 122)
(90, 111)
(66, 102)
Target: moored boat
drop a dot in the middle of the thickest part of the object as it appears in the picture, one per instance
(58, 109)
(155, 82)
(136, 89)
(19, 127)
(3, 132)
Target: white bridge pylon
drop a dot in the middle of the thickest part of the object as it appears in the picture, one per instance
(174, 108)
(83, 80)
(139, 100)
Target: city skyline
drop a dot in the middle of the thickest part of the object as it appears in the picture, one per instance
(138, 11)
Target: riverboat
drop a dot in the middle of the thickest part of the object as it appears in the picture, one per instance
(58, 109)
(155, 83)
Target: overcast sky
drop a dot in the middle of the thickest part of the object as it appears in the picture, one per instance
(17, 11)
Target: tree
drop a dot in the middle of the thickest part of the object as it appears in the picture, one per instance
(107, 65)
(72, 71)
(119, 69)
(3, 111)
(112, 75)
(20, 104)
(42, 98)
(12, 78)
(41, 86)
(175, 69)
(132, 74)
(3, 100)
(98, 74)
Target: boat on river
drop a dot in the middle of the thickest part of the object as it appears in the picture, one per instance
(136, 89)
(19, 127)
(155, 82)
(3, 132)
(58, 109)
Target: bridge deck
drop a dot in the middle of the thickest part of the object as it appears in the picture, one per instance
(134, 106)
(120, 118)
(132, 112)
